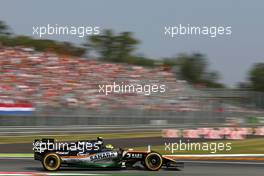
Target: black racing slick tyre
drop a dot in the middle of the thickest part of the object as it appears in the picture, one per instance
(153, 161)
(51, 162)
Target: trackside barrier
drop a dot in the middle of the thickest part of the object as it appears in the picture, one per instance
(259, 131)
(190, 134)
(214, 133)
(219, 157)
(171, 133)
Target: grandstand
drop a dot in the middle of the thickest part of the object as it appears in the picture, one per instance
(64, 85)
(47, 79)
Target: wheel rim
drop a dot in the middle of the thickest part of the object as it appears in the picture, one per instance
(154, 161)
(52, 162)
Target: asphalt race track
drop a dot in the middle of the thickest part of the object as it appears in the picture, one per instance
(190, 169)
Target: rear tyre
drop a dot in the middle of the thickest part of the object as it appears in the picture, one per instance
(51, 162)
(153, 161)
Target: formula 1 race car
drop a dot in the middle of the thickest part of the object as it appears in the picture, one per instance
(94, 154)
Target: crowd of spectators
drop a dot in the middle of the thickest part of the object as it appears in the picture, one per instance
(46, 79)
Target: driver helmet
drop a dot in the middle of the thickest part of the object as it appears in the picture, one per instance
(100, 138)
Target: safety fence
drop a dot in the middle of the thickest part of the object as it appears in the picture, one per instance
(128, 117)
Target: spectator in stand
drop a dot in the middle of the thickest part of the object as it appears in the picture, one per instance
(49, 80)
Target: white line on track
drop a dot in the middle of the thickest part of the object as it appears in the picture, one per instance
(71, 174)
(217, 155)
(18, 174)
(223, 162)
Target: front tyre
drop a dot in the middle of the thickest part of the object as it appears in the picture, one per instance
(153, 161)
(51, 162)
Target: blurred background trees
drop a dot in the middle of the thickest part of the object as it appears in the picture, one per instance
(256, 77)
(120, 48)
(4, 29)
(66, 48)
(117, 48)
(112, 47)
(194, 69)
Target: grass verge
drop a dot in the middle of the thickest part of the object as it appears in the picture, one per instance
(73, 137)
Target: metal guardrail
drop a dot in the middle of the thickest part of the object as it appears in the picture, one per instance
(128, 118)
(48, 116)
